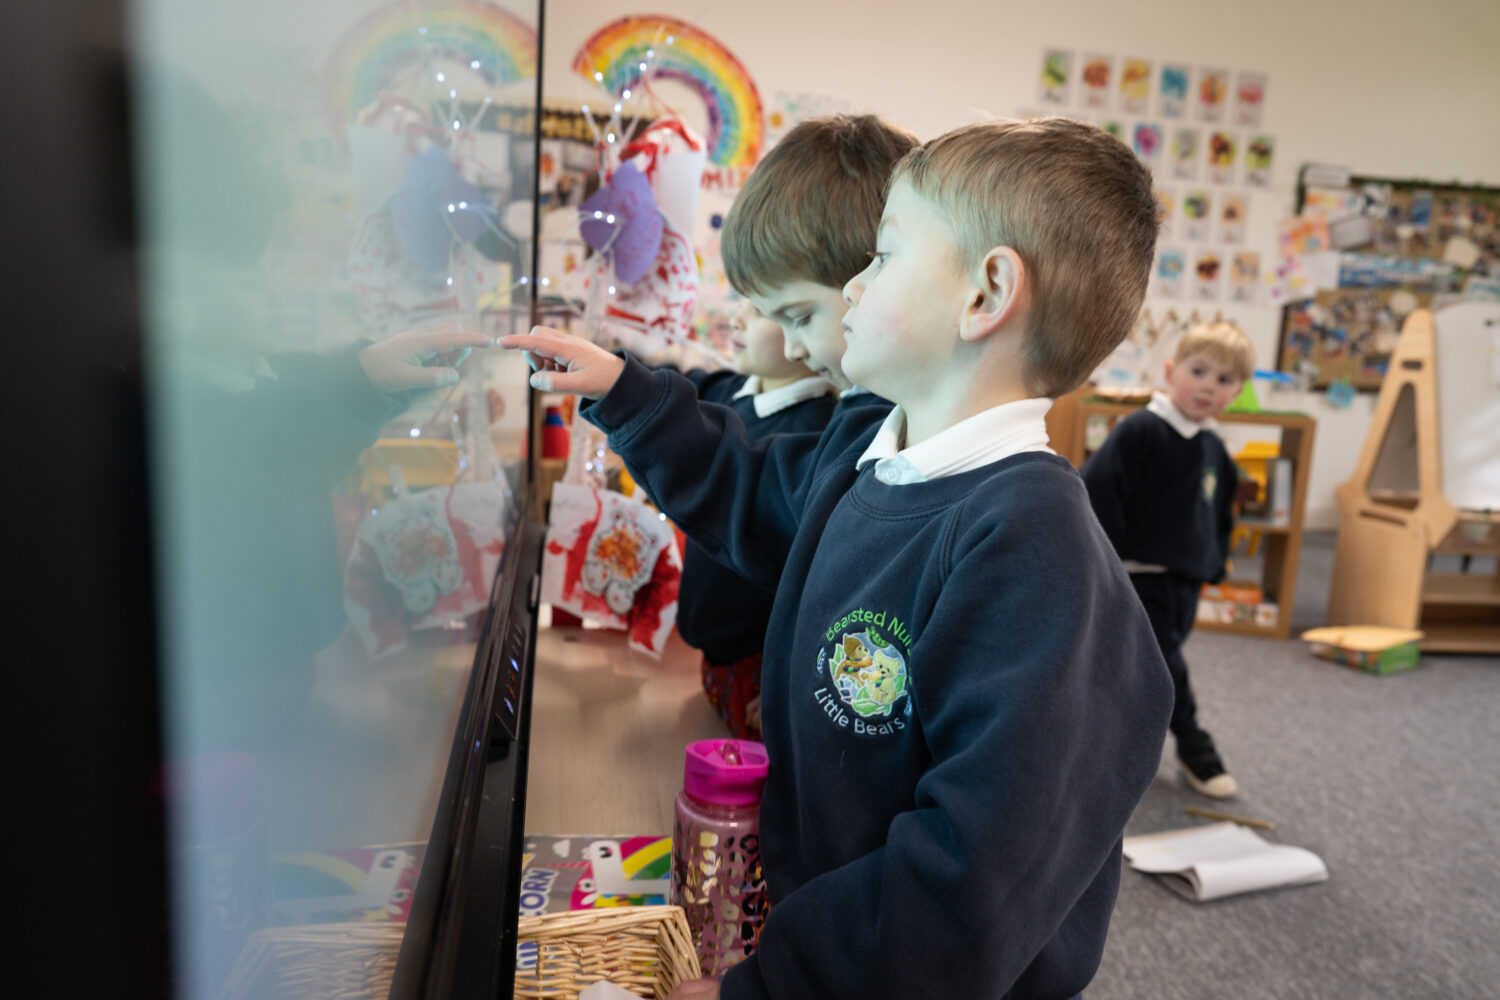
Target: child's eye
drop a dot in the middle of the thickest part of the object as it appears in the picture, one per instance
(798, 322)
(879, 257)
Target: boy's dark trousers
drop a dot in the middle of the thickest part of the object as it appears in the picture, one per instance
(1171, 603)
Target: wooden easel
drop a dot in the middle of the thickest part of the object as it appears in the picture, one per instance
(1393, 516)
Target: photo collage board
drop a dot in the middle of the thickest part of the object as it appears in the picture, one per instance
(1386, 247)
(1199, 129)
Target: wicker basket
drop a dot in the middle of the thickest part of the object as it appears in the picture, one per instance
(644, 949)
(647, 950)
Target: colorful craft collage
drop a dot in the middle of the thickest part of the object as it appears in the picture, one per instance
(1200, 130)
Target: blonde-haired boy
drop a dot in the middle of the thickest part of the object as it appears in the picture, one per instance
(1163, 487)
(956, 833)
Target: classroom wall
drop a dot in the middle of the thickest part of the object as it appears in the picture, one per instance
(1386, 88)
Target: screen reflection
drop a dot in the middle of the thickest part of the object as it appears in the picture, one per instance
(337, 211)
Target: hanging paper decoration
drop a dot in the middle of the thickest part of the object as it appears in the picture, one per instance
(614, 561)
(423, 560)
(433, 207)
(621, 222)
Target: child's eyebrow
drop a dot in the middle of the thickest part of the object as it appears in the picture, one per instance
(884, 224)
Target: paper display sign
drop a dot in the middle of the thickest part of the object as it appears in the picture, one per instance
(1147, 141)
(1171, 269)
(1173, 90)
(1249, 99)
(1244, 278)
(1097, 81)
(1232, 213)
(1260, 152)
(1223, 149)
(1207, 267)
(1135, 86)
(1197, 215)
(1055, 81)
(1213, 94)
(1186, 151)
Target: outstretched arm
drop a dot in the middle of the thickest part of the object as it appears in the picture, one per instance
(741, 501)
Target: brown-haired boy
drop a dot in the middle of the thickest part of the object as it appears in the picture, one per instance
(944, 820)
(800, 228)
(1163, 486)
(804, 224)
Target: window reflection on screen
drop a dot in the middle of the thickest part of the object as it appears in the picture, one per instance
(337, 206)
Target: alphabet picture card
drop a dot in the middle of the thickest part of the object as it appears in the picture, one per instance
(1260, 151)
(1098, 76)
(1249, 98)
(1135, 86)
(1232, 212)
(1197, 215)
(1213, 94)
(1055, 81)
(1173, 88)
(1186, 150)
(1223, 148)
(1207, 266)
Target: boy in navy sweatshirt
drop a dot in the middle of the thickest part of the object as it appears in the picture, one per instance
(1163, 487)
(719, 612)
(962, 699)
(801, 227)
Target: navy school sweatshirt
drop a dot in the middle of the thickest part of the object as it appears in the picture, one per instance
(962, 700)
(1163, 499)
(719, 612)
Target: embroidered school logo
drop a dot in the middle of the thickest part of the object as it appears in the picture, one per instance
(1210, 483)
(866, 674)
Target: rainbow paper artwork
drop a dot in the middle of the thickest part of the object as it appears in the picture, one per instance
(494, 43)
(614, 54)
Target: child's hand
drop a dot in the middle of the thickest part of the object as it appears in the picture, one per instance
(561, 362)
(696, 989)
(752, 713)
(420, 359)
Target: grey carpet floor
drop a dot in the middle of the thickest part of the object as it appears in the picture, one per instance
(1394, 781)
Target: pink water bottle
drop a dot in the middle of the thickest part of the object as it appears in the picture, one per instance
(716, 873)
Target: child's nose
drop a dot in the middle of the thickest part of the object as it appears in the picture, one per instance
(793, 351)
(852, 291)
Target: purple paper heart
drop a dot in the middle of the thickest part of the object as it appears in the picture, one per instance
(627, 196)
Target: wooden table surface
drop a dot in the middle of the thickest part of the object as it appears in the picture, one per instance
(608, 727)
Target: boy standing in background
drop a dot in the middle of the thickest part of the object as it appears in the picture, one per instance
(963, 700)
(1163, 487)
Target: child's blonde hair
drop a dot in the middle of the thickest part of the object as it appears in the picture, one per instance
(1221, 341)
(1078, 208)
(809, 210)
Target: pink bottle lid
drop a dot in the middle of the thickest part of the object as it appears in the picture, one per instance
(727, 772)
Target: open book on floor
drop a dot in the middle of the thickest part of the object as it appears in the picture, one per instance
(1221, 859)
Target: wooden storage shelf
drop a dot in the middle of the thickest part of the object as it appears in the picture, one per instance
(1461, 588)
(1394, 513)
(1067, 425)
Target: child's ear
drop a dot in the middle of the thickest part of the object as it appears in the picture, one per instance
(997, 296)
(1167, 369)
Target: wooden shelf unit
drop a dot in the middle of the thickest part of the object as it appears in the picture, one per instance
(1282, 544)
(1394, 516)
